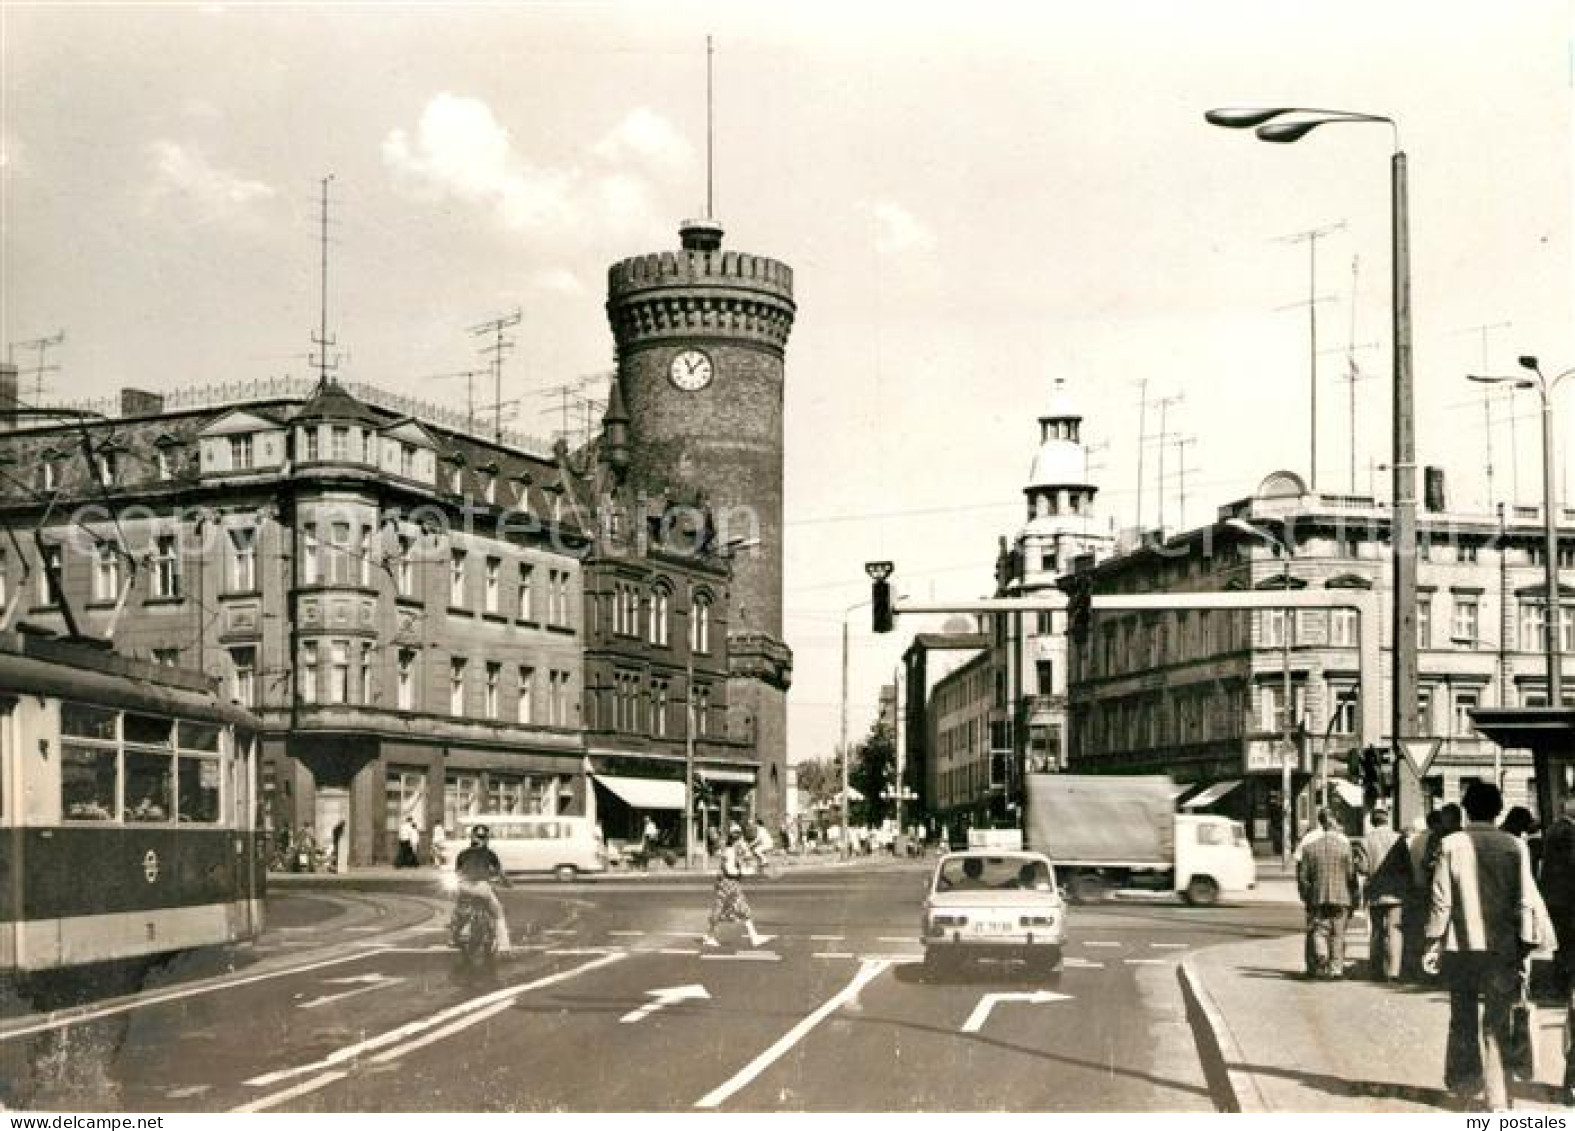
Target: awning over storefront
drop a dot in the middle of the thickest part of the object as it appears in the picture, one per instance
(1210, 795)
(1349, 792)
(743, 777)
(645, 793)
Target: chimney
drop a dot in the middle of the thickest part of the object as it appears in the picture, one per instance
(7, 396)
(136, 402)
(1433, 489)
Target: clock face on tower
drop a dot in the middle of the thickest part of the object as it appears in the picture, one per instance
(690, 370)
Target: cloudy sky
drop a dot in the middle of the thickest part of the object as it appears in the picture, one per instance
(978, 200)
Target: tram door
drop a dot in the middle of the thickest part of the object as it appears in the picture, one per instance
(333, 807)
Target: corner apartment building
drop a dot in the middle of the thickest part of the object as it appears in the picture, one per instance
(400, 601)
(1199, 694)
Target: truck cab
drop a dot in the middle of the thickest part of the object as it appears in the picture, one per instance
(1212, 856)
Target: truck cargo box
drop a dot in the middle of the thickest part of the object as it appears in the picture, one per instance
(1097, 819)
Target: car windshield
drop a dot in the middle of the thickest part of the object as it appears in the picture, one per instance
(1000, 873)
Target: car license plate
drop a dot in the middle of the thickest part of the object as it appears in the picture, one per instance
(991, 927)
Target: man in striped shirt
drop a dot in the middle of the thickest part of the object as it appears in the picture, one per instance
(1482, 923)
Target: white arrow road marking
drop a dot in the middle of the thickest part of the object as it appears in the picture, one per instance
(364, 983)
(663, 998)
(406, 1038)
(868, 971)
(988, 1002)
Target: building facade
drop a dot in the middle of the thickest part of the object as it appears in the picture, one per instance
(701, 337)
(1201, 693)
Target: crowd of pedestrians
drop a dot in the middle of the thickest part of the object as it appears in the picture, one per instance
(1459, 900)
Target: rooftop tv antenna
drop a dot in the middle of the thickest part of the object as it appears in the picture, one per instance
(710, 132)
(1311, 237)
(321, 359)
(42, 345)
(499, 345)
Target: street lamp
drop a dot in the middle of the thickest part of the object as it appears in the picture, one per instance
(1294, 124)
(1553, 613)
(1284, 550)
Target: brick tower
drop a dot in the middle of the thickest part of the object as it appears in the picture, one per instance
(701, 336)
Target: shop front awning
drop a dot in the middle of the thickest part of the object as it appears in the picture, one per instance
(1211, 794)
(645, 793)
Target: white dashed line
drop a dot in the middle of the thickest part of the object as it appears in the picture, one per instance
(1169, 945)
(894, 938)
(1115, 944)
(1081, 964)
(626, 934)
(1145, 961)
(746, 956)
(672, 950)
(833, 954)
(827, 938)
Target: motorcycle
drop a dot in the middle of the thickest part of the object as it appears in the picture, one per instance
(473, 931)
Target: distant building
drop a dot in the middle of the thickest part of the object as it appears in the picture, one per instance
(1199, 694)
(939, 754)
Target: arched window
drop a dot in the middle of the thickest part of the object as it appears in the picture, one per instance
(700, 623)
(661, 600)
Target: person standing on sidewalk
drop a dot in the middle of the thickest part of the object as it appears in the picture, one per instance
(1385, 863)
(1483, 921)
(1558, 890)
(1326, 877)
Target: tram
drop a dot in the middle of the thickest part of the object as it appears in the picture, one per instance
(128, 804)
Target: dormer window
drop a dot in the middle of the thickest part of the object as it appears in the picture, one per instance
(108, 467)
(311, 454)
(407, 460)
(339, 443)
(45, 477)
(240, 453)
(165, 463)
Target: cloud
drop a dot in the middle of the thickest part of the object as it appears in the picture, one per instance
(897, 230)
(179, 172)
(558, 280)
(460, 150)
(645, 136)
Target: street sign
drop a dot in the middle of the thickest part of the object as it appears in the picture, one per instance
(1419, 752)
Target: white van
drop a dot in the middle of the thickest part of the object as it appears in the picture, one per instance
(564, 846)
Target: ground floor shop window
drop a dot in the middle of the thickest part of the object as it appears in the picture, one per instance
(404, 796)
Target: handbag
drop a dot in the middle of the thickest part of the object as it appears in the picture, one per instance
(1522, 1053)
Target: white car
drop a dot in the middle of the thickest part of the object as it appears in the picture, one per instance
(998, 902)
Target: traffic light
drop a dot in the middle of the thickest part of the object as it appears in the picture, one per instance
(1372, 780)
(880, 595)
(1353, 764)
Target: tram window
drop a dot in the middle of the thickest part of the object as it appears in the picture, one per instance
(79, 721)
(148, 793)
(199, 736)
(87, 782)
(199, 790)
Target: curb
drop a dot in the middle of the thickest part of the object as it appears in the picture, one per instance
(1234, 1090)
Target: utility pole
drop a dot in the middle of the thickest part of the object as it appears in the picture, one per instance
(42, 345)
(497, 347)
(1311, 237)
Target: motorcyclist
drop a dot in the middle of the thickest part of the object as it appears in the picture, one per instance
(476, 868)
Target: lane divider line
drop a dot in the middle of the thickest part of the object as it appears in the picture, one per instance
(300, 1089)
(414, 1028)
(1115, 944)
(868, 972)
(1169, 945)
(833, 954)
(1144, 961)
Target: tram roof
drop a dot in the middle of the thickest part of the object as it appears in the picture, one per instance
(32, 665)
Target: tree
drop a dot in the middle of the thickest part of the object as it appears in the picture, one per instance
(821, 779)
(873, 772)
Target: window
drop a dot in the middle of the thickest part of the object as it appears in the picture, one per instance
(489, 487)
(47, 475)
(1424, 710)
(89, 763)
(167, 657)
(405, 567)
(339, 443)
(363, 556)
(243, 675)
(406, 679)
(1344, 703)
(108, 468)
(1424, 621)
(149, 769)
(308, 688)
(1466, 701)
(1469, 551)
(659, 706)
(492, 585)
(407, 460)
(1276, 622)
(1342, 628)
(702, 708)
(366, 672)
(106, 572)
(1463, 630)
(461, 798)
(700, 624)
(243, 560)
(525, 707)
(339, 559)
(405, 795)
(456, 686)
(339, 671)
(166, 566)
(1531, 626)
(312, 439)
(197, 773)
(557, 698)
(1272, 701)
(494, 675)
(527, 589)
(658, 633)
(456, 579)
(240, 453)
(311, 568)
(165, 461)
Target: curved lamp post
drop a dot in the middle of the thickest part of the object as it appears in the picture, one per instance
(1553, 613)
(1287, 124)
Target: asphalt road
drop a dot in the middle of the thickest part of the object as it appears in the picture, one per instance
(610, 1004)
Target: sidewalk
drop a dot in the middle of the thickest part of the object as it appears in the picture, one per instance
(1274, 1041)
